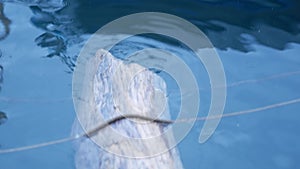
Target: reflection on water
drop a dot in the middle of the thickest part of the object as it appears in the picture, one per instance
(228, 24)
(3, 117)
(1, 76)
(255, 40)
(4, 23)
(4, 32)
(223, 21)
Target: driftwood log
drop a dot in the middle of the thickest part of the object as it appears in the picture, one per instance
(124, 88)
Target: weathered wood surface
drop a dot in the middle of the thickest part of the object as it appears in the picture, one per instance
(121, 88)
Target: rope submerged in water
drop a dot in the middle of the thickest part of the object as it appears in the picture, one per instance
(238, 83)
(126, 116)
(89, 133)
(134, 116)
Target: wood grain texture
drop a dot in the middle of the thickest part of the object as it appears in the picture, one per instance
(121, 88)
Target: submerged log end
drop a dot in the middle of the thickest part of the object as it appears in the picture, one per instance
(120, 89)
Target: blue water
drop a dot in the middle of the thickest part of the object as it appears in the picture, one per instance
(255, 40)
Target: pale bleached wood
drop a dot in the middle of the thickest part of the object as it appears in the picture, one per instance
(113, 96)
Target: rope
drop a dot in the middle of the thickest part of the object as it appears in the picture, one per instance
(238, 83)
(134, 116)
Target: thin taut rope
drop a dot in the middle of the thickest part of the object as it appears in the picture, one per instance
(134, 116)
(234, 84)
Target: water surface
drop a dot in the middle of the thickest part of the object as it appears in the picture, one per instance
(258, 43)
